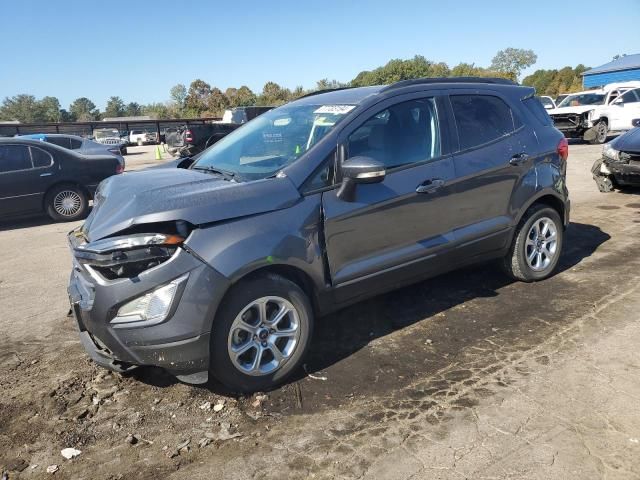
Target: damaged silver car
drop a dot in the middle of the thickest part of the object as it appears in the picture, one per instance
(619, 166)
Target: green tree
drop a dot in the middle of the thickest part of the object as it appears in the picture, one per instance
(298, 92)
(115, 107)
(84, 110)
(513, 60)
(133, 109)
(23, 108)
(217, 102)
(245, 97)
(553, 82)
(397, 69)
(178, 97)
(198, 96)
(274, 94)
(65, 116)
(49, 109)
(158, 111)
(326, 84)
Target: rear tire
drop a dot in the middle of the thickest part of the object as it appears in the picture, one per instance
(248, 352)
(66, 203)
(537, 245)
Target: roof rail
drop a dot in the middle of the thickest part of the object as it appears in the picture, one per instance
(429, 80)
(326, 90)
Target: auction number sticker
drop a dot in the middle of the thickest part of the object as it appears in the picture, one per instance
(335, 109)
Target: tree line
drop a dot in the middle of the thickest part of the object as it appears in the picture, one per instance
(201, 99)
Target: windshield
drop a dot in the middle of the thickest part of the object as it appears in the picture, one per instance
(271, 141)
(582, 99)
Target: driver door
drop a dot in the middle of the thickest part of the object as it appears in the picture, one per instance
(390, 233)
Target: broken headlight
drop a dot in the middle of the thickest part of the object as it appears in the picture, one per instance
(127, 256)
(610, 153)
(152, 307)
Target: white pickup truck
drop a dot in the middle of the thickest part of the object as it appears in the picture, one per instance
(142, 137)
(587, 114)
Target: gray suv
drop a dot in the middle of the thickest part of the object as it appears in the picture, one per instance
(222, 268)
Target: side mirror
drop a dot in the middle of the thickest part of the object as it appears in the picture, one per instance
(618, 102)
(359, 170)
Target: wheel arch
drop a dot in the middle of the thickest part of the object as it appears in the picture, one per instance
(61, 183)
(292, 273)
(551, 200)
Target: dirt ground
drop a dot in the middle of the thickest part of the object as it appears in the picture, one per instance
(468, 375)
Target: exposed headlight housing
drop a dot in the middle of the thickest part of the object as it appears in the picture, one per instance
(611, 153)
(127, 256)
(128, 242)
(151, 308)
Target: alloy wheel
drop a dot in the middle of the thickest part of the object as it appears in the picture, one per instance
(264, 335)
(541, 246)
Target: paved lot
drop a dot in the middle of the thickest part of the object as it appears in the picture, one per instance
(467, 375)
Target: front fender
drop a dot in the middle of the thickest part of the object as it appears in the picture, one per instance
(289, 237)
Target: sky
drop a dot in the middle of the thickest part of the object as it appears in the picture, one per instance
(139, 49)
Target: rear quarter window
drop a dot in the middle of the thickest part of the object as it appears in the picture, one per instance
(481, 119)
(537, 110)
(40, 158)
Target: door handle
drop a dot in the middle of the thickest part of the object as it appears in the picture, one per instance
(519, 159)
(46, 174)
(430, 186)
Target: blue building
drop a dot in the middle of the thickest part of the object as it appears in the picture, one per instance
(623, 69)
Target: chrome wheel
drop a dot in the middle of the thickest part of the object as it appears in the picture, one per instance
(541, 246)
(264, 335)
(67, 203)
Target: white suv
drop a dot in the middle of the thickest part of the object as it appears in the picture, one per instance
(620, 113)
(586, 114)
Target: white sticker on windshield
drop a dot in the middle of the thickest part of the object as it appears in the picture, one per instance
(335, 109)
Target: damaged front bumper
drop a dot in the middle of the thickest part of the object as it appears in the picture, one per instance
(179, 342)
(625, 171)
(572, 125)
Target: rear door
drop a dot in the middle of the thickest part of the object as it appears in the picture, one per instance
(23, 183)
(390, 228)
(494, 151)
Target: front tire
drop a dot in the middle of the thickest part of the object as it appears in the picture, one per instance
(601, 132)
(66, 203)
(261, 333)
(536, 246)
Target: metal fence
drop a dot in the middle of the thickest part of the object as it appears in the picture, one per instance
(85, 129)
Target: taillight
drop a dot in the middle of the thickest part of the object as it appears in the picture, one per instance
(563, 148)
(188, 136)
(119, 168)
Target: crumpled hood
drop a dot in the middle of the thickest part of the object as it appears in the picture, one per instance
(565, 110)
(169, 194)
(629, 142)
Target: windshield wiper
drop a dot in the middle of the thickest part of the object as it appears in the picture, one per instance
(226, 174)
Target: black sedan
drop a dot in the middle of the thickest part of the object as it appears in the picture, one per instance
(37, 177)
